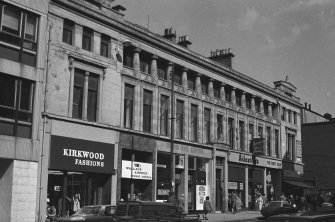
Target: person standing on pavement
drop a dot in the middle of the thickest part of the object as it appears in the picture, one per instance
(207, 207)
(172, 198)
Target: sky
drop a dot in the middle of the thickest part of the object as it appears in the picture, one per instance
(271, 39)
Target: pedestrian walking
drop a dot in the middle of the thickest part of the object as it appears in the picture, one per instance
(259, 202)
(171, 198)
(181, 203)
(207, 207)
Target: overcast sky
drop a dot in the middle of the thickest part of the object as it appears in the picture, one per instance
(270, 38)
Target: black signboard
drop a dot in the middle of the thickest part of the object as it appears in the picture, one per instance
(81, 155)
(258, 145)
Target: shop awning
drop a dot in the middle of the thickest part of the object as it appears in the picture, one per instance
(298, 184)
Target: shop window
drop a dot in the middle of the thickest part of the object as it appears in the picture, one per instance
(219, 127)
(128, 56)
(194, 122)
(68, 30)
(180, 119)
(162, 69)
(18, 34)
(207, 125)
(147, 110)
(16, 106)
(104, 45)
(191, 163)
(85, 95)
(87, 39)
(164, 115)
(128, 109)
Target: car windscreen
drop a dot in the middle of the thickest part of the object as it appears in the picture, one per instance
(158, 210)
(121, 210)
(274, 204)
(91, 210)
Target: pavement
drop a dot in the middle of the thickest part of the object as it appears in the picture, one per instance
(239, 216)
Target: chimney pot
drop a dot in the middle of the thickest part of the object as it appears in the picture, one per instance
(310, 107)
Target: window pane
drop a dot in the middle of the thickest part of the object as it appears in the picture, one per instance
(128, 106)
(25, 97)
(147, 99)
(7, 128)
(92, 97)
(78, 94)
(9, 53)
(104, 45)
(67, 31)
(11, 20)
(31, 24)
(23, 131)
(28, 59)
(87, 35)
(7, 90)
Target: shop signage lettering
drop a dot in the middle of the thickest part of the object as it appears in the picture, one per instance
(273, 164)
(260, 161)
(136, 170)
(81, 155)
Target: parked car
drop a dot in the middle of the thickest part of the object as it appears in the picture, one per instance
(91, 213)
(300, 217)
(277, 207)
(151, 211)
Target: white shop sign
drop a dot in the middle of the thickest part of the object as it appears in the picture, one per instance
(139, 170)
(259, 161)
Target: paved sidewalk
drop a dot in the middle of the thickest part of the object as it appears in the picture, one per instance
(240, 216)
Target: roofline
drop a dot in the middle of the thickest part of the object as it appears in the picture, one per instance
(134, 30)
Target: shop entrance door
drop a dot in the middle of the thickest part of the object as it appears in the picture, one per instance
(219, 190)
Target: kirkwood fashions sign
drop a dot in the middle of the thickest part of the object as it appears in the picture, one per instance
(81, 155)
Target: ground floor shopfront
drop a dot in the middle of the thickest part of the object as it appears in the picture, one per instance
(79, 167)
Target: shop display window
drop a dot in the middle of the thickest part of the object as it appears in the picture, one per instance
(87, 188)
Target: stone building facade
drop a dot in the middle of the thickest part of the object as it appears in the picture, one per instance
(109, 107)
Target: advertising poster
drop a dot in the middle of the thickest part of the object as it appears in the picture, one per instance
(138, 170)
(201, 193)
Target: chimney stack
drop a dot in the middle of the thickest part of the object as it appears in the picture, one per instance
(309, 106)
(184, 41)
(170, 33)
(223, 56)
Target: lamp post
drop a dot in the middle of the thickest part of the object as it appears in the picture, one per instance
(172, 77)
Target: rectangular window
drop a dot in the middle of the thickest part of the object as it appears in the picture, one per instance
(248, 101)
(145, 61)
(242, 136)
(228, 95)
(128, 109)
(207, 125)
(194, 122)
(260, 132)
(104, 45)
(238, 98)
(180, 120)
(164, 115)
(128, 57)
(277, 143)
(251, 136)
(219, 127)
(294, 117)
(283, 112)
(161, 70)
(79, 92)
(191, 80)
(231, 134)
(16, 106)
(147, 109)
(18, 34)
(68, 29)
(268, 140)
(87, 38)
(289, 112)
(291, 146)
(204, 88)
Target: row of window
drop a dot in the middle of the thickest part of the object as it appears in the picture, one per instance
(87, 38)
(230, 94)
(18, 34)
(232, 135)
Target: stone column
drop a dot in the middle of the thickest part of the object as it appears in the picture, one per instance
(270, 109)
(253, 106)
(210, 89)
(243, 100)
(198, 84)
(71, 68)
(136, 61)
(184, 80)
(78, 36)
(153, 67)
(222, 93)
(96, 42)
(233, 96)
(168, 71)
(261, 106)
(85, 97)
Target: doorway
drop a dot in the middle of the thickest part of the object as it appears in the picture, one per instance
(219, 189)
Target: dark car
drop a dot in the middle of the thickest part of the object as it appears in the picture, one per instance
(151, 211)
(277, 207)
(91, 213)
(300, 217)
